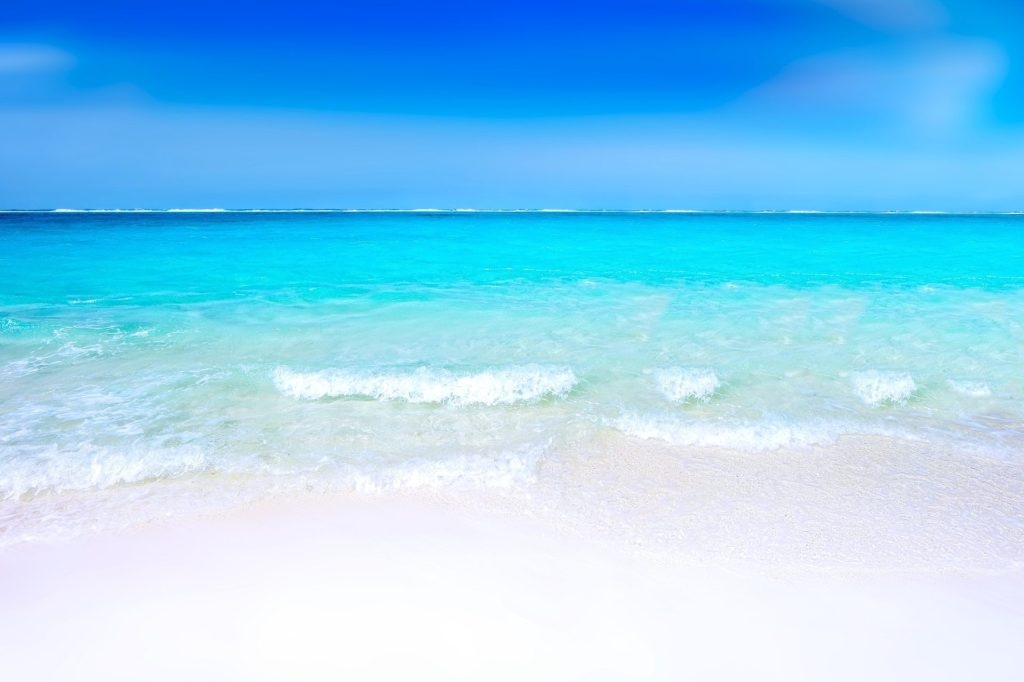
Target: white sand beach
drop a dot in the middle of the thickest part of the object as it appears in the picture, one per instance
(661, 340)
(412, 588)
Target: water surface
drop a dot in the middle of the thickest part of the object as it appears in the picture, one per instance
(373, 351)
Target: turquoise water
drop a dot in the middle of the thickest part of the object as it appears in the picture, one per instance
(376, 351)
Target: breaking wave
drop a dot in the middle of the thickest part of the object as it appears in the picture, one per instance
(504, 386)
(883, 388)
(687, 383)
(90, 467)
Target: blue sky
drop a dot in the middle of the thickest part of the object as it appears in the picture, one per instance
(742, 104)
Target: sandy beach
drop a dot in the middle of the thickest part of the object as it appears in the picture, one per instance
(657, 340)
(408, 587)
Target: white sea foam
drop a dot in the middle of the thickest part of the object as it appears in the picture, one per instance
(96, 210)
(883, 388)
(66, 353)
(972, 389)
(471, 471)
(503, 386)
(687, 383)
(90, 466)
(769, 434)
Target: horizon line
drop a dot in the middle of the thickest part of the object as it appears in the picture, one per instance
(510, 210)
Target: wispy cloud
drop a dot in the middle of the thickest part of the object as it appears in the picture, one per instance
(743, 104)
(26, 58)
(933, 88)
(158, 156)
(893, 14)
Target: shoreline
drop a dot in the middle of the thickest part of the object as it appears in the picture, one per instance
(864, 505)
(389, 446)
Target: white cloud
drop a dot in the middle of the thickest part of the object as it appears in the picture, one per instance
(25, 58)
(893, 14)
(933, 88)
(91, 155)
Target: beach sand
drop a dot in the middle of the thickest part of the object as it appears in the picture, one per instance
(432, 587)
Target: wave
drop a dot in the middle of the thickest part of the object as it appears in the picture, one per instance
(91, 466)
(472, 471)
(769, 433)
(197, 210)
(763, 435)
(97, 210)
(490, 387)
(680, 384)
(883, 388)
(69, 352)
(971, 389)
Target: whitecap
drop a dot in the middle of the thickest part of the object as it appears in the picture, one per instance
(89, 466)
(504, 386)
(687, 383)
(883, 388)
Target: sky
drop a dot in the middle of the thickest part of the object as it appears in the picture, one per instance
(699, 104)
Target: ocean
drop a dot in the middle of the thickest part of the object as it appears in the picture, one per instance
(156, 363)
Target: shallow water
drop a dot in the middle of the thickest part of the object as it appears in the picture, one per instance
(378, 351)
